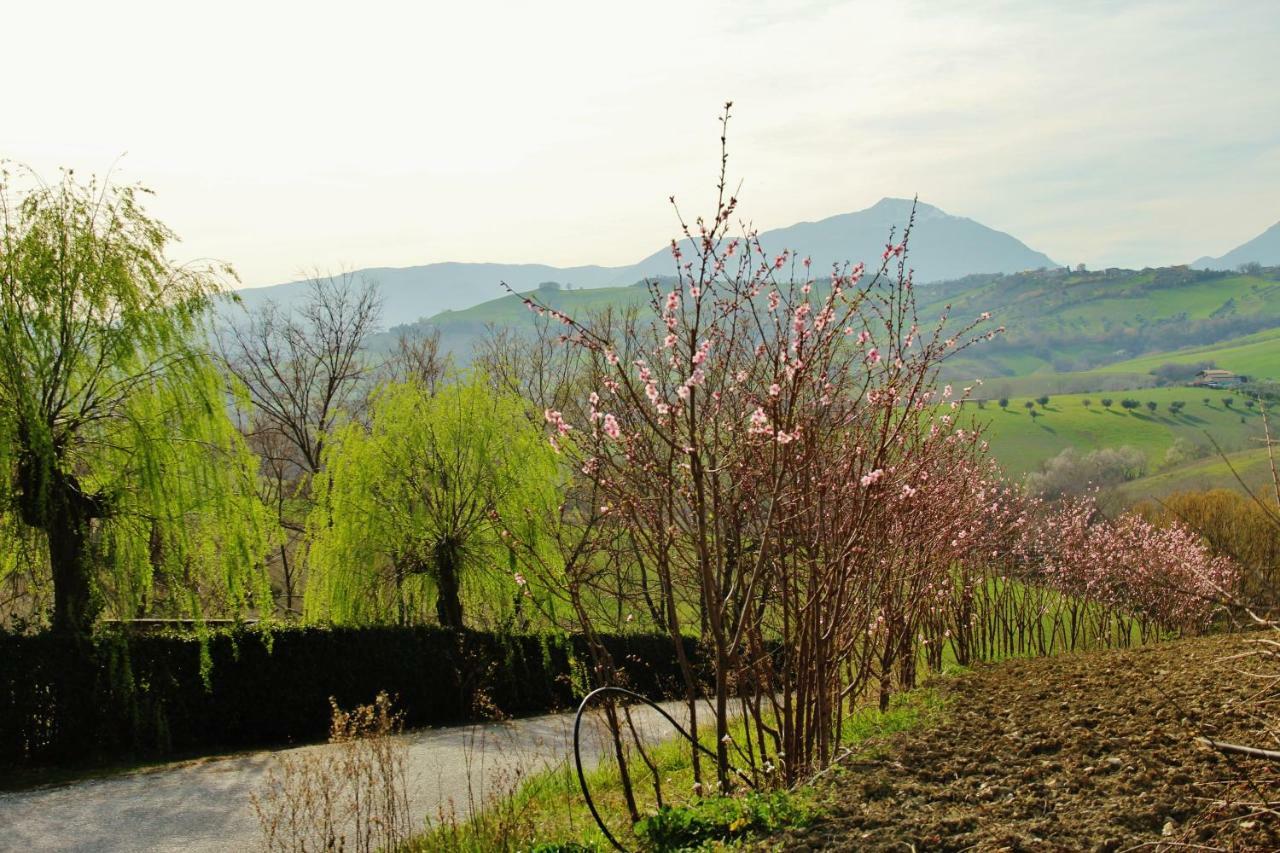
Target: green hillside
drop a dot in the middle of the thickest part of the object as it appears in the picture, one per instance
(1256, 355)
(1021, 443)
(1084, 328)
(1060, 322)
(1212, 472)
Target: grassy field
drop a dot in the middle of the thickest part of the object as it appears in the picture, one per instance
(1256, 356)
(1021, 443)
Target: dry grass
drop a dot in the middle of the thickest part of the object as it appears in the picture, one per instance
(350, 796)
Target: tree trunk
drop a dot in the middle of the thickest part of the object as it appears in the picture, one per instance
(53, 501)
(74, 607)
(448, 590)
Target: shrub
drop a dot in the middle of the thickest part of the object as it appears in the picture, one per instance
(1073, 473)
(722, 819)
(1171, 372)
(1106, 402)
(354, 796)
(1043, 400)
(153, 696)
(1004, 402)
(1183, 450)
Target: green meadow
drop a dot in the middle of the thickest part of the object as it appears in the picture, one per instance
(1021, 443)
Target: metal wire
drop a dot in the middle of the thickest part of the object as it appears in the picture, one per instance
(577, 751)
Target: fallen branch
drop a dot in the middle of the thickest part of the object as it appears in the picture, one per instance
(1253, 751)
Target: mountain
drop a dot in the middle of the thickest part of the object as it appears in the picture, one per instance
(942, 247)
(1263, 249)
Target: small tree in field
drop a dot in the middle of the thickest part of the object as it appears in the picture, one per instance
(1106, 402)
(1152, 405)
(405, 513)
(1043, 400)
(1087, 402)
(116, 452)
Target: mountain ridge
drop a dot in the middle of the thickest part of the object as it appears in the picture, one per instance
(943, 247)
(1263, 249)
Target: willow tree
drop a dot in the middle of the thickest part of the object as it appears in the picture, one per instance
(116, 451)
(412, 506)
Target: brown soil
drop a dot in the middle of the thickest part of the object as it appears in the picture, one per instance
(1084, 752)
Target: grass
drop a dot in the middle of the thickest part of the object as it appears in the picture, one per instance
(1202, 475)
(1256, 355)
(1021, 443)
(546, 811)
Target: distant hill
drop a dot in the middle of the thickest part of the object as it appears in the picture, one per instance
(1263, 249)
(942, 247)
(1098, 328)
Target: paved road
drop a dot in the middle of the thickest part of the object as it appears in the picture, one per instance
(204, 806)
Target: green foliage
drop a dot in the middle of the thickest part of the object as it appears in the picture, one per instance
(722, 819)
(412, 505)
(117, 457)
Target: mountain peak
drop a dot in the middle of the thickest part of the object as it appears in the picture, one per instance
(942, 247)
(1263, 249)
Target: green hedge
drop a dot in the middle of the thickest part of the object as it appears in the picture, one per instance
(146, 696)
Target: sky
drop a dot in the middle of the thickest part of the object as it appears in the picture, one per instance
(286, 137)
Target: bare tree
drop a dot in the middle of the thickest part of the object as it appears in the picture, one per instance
(417, 357)
(303, 370)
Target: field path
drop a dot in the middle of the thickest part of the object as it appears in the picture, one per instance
(1089, 752)
(204, 805)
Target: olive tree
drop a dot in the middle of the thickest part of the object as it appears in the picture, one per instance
(411, 506)
(117, 455)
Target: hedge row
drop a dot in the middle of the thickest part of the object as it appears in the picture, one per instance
(146, 696)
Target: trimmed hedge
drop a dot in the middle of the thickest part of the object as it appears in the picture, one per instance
(149, 695)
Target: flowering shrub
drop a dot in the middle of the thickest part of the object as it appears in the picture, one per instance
(764, 459)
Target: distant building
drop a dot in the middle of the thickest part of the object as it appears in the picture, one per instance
(1214, 378)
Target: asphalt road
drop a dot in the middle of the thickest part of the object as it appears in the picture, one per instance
(204, 805)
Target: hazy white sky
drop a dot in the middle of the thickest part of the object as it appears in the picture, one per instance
(286, 136)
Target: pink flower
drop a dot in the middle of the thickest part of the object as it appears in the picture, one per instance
(873, 355)
(611, 427)
(760, 423)
(775, 389)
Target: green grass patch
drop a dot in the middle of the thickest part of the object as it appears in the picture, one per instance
(546, 811)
